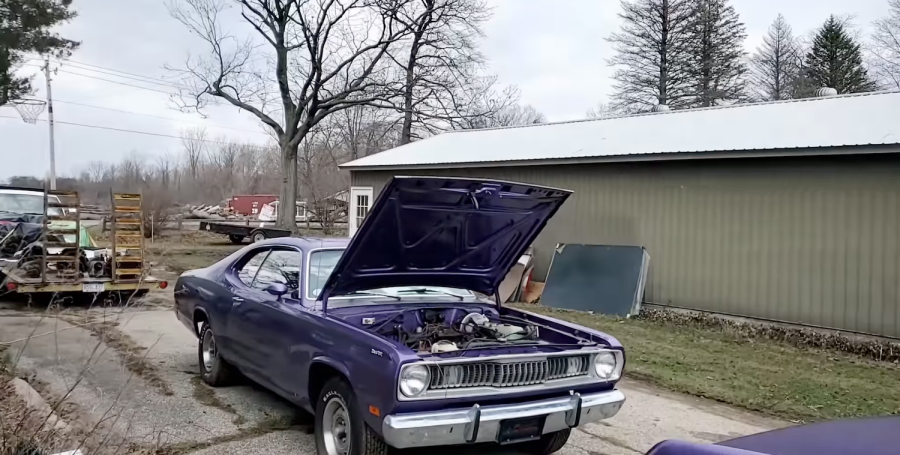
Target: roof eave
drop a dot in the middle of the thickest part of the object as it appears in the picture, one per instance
(670, 156)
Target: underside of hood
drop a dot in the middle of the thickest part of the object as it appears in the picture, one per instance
(448, 232)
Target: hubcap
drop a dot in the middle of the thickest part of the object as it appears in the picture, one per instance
(208, 350)
(336, 427)
(259, 238)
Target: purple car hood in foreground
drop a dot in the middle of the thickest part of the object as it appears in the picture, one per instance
(448, 232)
(867, 436)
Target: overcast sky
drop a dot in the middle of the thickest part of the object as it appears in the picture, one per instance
(553, 50)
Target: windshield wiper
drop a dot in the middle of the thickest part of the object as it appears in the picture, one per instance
(433, 291)
(378, 294)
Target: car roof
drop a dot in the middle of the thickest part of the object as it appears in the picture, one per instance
(308, 243)
(31, 192)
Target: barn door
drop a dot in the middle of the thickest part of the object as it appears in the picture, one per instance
(360, 201)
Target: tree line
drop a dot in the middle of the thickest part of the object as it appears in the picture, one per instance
(334, 81)
(690, 53)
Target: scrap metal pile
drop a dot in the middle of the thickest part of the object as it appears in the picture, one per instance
(22, 242)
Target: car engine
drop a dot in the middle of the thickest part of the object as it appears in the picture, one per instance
(439, 331)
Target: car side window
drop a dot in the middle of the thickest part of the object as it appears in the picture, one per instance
(282, 266)
(248, 271)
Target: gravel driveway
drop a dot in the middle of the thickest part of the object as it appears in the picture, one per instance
(165, 404)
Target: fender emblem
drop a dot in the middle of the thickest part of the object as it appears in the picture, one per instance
(377, 352)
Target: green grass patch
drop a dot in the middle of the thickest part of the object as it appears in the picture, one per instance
(798, 384)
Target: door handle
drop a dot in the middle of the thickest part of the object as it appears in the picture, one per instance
(237, 300)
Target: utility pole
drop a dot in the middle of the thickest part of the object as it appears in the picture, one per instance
(50, 122)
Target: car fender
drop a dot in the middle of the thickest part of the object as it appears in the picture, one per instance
(196, 326)
(323, 359)
(369, 362)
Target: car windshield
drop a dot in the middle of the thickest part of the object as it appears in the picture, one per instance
(31, 204)
(323, 262)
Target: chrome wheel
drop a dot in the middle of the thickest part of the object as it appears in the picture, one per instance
(259, 237)
(208, 351)
(336, 427)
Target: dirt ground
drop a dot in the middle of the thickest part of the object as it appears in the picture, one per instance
(133, 372)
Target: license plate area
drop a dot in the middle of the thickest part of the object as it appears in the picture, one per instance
(520, 430)
(92, 287)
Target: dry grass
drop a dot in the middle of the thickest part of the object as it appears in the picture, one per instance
(772, 377)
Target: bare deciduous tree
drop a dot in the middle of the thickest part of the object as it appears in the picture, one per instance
(441, 64)
(603, 110)
(886, 46)
(305, 61)
(776, 64)
(365, 130)
(194, 143)
(652, 55)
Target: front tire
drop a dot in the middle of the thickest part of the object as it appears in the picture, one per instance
(236, 239)
(549, 443)
(258, 236)
(214, 370)
(340, 428)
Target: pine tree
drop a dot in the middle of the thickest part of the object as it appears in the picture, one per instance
(775, 66)
(651, 55)
(717, 68)
(836, 61)
(25, 27)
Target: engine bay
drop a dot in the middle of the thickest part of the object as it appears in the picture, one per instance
(435, 331)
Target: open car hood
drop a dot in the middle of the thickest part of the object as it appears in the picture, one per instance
(448, 232)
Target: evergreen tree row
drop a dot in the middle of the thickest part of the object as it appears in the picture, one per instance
(690, 53)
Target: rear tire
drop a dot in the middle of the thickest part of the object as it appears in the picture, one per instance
(340, 427)
(236, 239)
(258, 236)
(214, 370)
(549, 443)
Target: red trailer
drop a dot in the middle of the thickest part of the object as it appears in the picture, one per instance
(250, 204)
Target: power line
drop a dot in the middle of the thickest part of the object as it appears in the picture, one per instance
(117, 82)
(75, 63)
(122, 130)
(157, 116)
(114, 75)
(145, 79)
(63, 62)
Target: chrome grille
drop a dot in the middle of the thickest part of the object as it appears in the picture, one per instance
(507, 374)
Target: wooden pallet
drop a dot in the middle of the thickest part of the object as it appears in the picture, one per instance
(64, 267)
(127, 237)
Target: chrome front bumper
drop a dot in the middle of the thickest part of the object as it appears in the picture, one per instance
(482, 424)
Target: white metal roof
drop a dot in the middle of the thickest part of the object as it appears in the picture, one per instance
(848, 120)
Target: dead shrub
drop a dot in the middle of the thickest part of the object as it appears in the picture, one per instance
(157, 205)
(875, 349)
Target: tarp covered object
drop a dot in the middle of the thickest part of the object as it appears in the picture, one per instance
(22, 235)
(600, 278)
(12, 217)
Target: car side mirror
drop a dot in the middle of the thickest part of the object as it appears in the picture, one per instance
(277, 289)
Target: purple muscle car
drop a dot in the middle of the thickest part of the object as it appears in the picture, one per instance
(397, 338)
(868, 436)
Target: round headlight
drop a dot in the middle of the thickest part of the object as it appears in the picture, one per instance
(414, 380)
(605, 365)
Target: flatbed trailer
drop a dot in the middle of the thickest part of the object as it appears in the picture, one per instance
(238, 232)
(15, 282)
(129, 272)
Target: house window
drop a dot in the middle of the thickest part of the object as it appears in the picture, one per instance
(361, 199)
